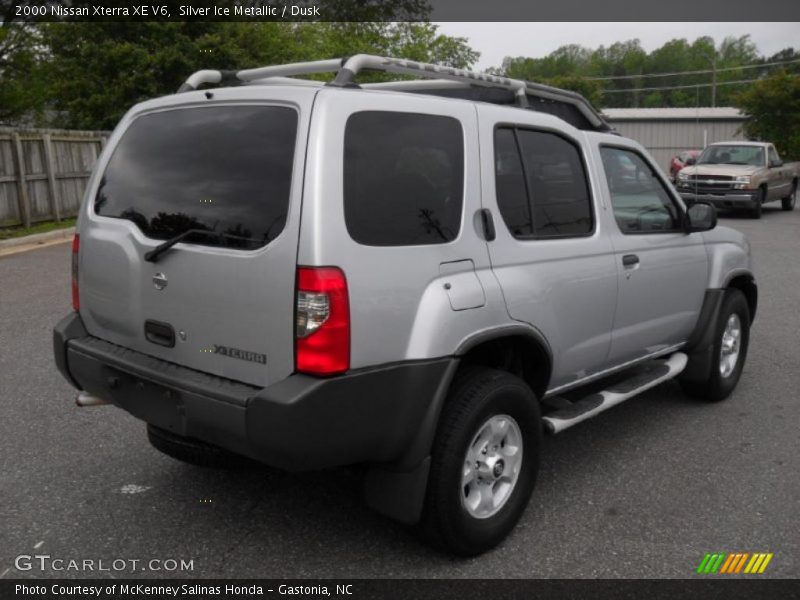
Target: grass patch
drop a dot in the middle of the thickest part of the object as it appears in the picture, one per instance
(15, 232)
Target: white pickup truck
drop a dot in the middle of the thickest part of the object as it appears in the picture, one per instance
(740, 175)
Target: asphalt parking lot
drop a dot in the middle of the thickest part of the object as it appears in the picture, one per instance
(644, 490)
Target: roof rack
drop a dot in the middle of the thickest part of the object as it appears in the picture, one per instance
(524, 92)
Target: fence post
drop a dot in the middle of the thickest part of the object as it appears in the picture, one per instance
(22, 184)
(49, 166)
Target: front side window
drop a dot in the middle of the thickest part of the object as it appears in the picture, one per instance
(773, 155)
(224, 172)
(640, 200)
(541, 185)
(403, 178)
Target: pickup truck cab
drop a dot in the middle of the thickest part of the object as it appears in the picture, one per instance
(740, 176)
(421, 277)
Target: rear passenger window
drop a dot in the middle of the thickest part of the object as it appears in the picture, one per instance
(512, 194)
(541, 185)
(403, 178)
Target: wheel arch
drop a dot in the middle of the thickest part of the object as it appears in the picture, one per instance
(521, 351)
(745, 283)
(398, 490)
(518, 349)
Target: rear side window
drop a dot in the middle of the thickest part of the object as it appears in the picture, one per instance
(542, 188)
(512, 194)
(403, 178)
(223, 171)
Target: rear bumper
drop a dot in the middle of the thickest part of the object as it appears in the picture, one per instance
(372, 415)
(723, 200)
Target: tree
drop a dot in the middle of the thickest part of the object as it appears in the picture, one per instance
(571, 59)
(684, 70)
(772, 106)
(96, 71)
(22, 90)
(585, 87)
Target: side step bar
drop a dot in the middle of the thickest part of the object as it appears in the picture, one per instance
(656, 372)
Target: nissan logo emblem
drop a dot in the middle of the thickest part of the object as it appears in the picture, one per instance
(160, 281)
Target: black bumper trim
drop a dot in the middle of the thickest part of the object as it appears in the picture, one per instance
(373, 415)
(68, 328)
(161, 371)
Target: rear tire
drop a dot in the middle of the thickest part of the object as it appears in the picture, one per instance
(195, 452)
(755, 212)
(788, 202)
(484, 461)
(731, 340)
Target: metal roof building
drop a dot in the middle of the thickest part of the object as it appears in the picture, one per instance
(667, 131)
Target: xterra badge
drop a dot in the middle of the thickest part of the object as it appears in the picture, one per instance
(240, 354)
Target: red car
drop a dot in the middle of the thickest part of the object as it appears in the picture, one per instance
(679, 161)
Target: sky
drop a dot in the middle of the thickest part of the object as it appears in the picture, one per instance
(497, 40)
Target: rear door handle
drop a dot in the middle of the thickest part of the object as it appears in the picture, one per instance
(487, 222)
(629, 260)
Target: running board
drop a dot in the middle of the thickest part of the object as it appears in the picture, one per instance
(656, 372)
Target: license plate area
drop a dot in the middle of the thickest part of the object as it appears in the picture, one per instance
(152, 402)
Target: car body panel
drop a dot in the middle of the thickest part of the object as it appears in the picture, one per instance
(217, 297)
(409, 305)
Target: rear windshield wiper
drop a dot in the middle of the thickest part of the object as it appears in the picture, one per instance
(152, 255)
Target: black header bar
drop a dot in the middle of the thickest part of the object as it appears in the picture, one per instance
(405, 10)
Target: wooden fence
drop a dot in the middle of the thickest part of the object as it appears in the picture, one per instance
(43, 172)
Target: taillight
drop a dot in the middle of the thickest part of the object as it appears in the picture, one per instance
(76, 246)
(322, 330)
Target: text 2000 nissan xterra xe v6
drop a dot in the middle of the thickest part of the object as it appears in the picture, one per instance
(418, 276)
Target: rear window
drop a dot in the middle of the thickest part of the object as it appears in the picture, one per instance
(225, 170)
(541, 185)
(403, 178)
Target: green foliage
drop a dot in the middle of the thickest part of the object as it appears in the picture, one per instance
(653, 100)
(773, 108)
(15, 232)
(588, 89)
(529, 69)
(631, 67)
(86, 75)
(96, 71)
(22, 90)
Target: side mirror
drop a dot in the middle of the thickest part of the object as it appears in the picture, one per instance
(775, 163)
(691, 160)
(701, 216)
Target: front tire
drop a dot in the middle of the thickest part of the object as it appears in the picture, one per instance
(731, 340)
(484, 461)
(788, 202)
(756, 211)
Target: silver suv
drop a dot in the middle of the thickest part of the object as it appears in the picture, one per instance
(420, 276)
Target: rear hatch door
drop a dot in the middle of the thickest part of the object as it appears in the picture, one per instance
(228, 171)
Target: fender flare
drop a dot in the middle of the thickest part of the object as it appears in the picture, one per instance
(398, 490)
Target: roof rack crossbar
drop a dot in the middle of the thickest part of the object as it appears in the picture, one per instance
(347, 70)
(522, 89)
(246, 75)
